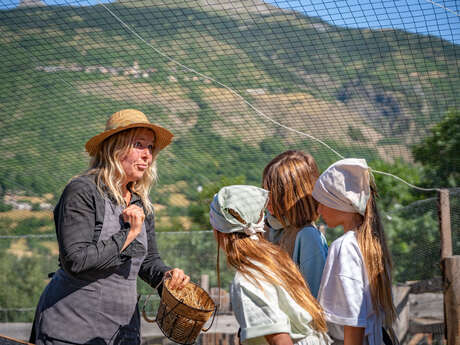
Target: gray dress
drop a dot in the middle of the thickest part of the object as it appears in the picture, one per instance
(98, 304)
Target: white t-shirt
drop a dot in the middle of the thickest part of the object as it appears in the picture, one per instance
(270, 310)
(345, 293)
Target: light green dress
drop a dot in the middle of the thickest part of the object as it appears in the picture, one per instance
(270, 310)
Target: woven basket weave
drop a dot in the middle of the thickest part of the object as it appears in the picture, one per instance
(178, 320)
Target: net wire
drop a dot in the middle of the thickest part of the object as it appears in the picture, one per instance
(237, 82)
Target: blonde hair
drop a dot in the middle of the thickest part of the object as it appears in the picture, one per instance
(276, 268)
(290, 178)
(105, 164)
(372, 242)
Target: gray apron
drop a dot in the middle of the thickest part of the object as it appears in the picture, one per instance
(104, 311)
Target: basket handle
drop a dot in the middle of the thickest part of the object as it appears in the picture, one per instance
(213, 317)
(144, 314)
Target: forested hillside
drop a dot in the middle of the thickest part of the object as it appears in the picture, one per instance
(65, 69)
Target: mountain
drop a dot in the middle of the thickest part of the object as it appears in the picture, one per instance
(31, 3)
(65, 69)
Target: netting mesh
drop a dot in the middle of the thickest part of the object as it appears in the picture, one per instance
(454, 195)
(414, 240)
(237, 82)
(366, 92)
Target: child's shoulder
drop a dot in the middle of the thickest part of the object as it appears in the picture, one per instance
(309, 232)
(347, 239)
(251, 285)
(241, 278)
(346, 245)
(238, 278)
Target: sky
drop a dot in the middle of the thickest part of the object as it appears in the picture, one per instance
(417, 16)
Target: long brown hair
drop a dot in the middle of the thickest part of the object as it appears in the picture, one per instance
(105, 164)
(372, 242)
(276, 268)
(290, 178)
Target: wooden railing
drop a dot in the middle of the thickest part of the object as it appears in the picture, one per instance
(419, 306)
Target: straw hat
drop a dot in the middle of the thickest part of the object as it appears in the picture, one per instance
(126, 119)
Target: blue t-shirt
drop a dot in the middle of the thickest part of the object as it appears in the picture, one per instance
(310, 252)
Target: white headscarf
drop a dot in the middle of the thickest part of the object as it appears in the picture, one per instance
(248, 201)
(344, 186)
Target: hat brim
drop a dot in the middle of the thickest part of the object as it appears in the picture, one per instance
(163, 137)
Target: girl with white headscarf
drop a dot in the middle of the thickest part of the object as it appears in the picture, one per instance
(269, 296)
(355, 290)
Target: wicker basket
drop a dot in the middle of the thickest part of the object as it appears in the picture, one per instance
(181, 320)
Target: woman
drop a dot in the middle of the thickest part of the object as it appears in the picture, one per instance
(106, 234)
(355, 289)
(269, 296)
(290, 178)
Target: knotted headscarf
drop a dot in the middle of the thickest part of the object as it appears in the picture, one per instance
(344, 186)
(248, 201)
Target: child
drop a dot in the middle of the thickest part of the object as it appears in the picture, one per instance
(269, 296)
(355, 289)
(290, 178)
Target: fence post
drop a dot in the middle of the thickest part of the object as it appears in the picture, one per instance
(204, 282)
(444, 223)
(451, 276)
(450, 266)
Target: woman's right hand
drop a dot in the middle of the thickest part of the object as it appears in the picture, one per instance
(134, 215)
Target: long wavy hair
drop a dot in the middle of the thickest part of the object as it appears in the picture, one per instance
(290, 178)
(276, 267)
(377, 259)
(110, 173)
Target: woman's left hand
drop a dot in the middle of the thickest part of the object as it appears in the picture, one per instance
(178, 278)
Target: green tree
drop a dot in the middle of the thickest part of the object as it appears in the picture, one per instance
(199, 211)
(413, 239)
(392, 192)
(4, 207)
(356, 134)
(439, 152)
(22, 280)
